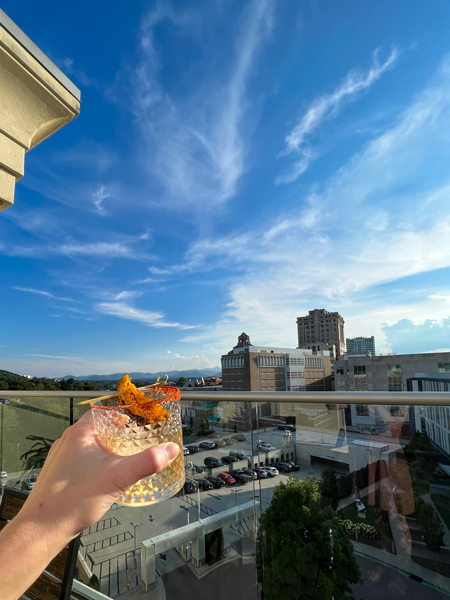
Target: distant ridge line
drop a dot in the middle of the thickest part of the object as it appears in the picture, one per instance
(192, 373)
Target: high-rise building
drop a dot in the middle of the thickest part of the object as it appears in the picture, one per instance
(321, 330)
(361, 345)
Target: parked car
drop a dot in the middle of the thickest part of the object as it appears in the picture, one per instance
(216, 481)
(3, 477)
(228, 441)
(198, 469)
(240, 437)
(190, 486)
(226, 477)
(228, 460)
(284, 467)
(290, 428)
(28, 483)
(239, 455)
(261, 474)
(192, 448)
(250, 472)
(211, 461)
(204, 484)
(207, 445)
(271, 471)
(186, 451)
(220, 443)
(294, 466)
(265, 447)
(241, 477)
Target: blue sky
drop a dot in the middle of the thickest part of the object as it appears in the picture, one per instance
(235, 164)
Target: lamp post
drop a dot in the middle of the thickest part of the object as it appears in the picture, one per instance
(134, 525)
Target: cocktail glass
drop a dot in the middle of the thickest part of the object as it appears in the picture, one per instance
(125, 430)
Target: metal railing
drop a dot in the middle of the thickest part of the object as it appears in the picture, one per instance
(332, 398)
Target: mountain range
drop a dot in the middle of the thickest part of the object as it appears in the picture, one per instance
(192, 373)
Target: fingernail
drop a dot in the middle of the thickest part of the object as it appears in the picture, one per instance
(172, 450)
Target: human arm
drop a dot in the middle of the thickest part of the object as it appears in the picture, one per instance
(80, 480)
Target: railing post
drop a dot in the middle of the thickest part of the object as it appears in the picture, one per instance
(71, 420)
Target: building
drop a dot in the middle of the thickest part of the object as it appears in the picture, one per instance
(432, 420)
(270, 369)
(387, 373)
(361, 345)
(36, 99)
(320, 331)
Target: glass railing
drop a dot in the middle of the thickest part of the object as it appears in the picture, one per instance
(332, 491)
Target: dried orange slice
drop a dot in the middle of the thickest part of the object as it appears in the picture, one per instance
(139, 403)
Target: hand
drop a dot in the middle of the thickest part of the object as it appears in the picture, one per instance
(81, 478)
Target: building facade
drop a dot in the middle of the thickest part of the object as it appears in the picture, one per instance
(432, 420)
(386, 373)
(361, 345)
(320, 331)
(266, 369)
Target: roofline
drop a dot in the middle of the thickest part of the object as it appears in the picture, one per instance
(25, 41)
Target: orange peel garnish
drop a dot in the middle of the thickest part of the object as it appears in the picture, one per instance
(139, 403)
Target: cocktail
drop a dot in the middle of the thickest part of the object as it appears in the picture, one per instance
(136, 419)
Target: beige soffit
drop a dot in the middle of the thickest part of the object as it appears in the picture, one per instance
(36, 99)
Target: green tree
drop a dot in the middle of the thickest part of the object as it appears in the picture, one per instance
(433, 532)
(303, 552)
(181, 382)
(37, 454)
(3, 385)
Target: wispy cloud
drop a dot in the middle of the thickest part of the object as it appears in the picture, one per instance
(97, 198)
(197, 145)
(326, 107)
(150, 318)
(43, 293)
(359, 230)
(75, 249)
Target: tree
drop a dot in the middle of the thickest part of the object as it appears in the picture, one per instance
(303, 552)
(37, 454)
(433, 532)
(181, 382)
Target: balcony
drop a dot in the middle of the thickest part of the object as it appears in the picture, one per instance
(376, 465)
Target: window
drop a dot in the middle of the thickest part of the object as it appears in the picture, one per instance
(394, 376)
(444, 367)
(339, 371)
(362, 410)
(359, 372)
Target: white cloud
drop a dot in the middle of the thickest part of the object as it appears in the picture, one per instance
(361, 230)
(105, 249)
(97, 198)
(43, 293)
(149, 318)
(196, 146)
(324, 108)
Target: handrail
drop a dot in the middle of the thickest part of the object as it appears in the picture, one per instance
(331, 398)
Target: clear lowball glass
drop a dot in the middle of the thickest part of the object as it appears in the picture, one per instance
(126, 435)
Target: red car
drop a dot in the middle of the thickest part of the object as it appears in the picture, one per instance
(226, 477)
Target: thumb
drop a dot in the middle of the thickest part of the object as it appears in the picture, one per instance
(148, 462)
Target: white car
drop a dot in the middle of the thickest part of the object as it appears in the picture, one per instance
(265, 447)
(29, 482)
(185, 451)
(271, 471)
